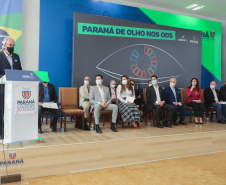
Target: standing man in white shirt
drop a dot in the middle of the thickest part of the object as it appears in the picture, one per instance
(156, 100)
(212, 99)
(100, 98)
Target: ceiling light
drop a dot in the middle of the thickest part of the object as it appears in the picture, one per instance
(199, 7)
(192, 6)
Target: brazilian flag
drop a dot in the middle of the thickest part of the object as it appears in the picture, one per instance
(11, 22)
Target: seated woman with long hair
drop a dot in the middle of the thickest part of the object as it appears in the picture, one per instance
(128, 110)
(194, 100)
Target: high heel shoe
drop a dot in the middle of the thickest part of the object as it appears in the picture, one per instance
(135, 126)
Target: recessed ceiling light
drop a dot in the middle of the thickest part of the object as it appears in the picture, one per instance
(192, 6)
(199, 7)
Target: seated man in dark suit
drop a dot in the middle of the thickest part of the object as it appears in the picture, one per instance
(47, 93)
(156, 100)
(8, 60)
(212, 99)
(173, 97)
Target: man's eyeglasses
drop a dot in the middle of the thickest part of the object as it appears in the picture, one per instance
(11, 45)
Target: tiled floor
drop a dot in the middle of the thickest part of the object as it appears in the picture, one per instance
(198, 170)
(78, 136)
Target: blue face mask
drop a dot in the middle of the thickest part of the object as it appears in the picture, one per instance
(154, 82)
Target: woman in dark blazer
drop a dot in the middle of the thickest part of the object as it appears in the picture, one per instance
(138, 98)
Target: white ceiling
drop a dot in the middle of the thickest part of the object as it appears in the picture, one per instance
(214, 8)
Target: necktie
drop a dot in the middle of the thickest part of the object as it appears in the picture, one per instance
(174, 92)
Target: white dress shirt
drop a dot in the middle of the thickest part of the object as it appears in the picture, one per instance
(9, 58)
(157, 94)
(101, 94)
(215, 94)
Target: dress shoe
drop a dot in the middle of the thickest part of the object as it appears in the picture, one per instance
(159, 125)
(113, 127)
(175, 123)
(118, 122)
(40, 130)
(182, 123)
(166, 124)
(98, 130)
(220, 121)
(86, 127)
(54, 129)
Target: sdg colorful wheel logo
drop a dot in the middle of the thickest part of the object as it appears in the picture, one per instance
(152, 59)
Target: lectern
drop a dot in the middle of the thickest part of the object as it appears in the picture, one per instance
(21, 106)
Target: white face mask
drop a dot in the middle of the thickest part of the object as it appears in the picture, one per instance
(172, 84)
(98, 82)
(124, 82)
(212, 86)
(149, 85)
(86, 82)
(193, 83)
(113, 86)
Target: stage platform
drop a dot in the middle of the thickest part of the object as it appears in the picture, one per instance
(77, 150)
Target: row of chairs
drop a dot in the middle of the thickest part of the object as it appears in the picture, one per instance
(68, 102)
(184, 102)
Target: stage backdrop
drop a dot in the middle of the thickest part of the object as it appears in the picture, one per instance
(114, 47)
(11, 22)
(56, 33)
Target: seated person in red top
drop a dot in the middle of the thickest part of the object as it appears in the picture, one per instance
(194, 100)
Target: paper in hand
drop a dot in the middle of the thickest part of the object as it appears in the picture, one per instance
(50, 105)
(223, 102)
(130, 99)
(197, 101)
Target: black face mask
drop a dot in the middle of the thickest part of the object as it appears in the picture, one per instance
(10, 49)
(132, 84)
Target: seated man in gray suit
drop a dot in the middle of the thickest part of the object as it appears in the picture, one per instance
(100, 98)
(84, 99)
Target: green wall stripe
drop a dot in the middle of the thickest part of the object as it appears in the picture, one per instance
(211, 48)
